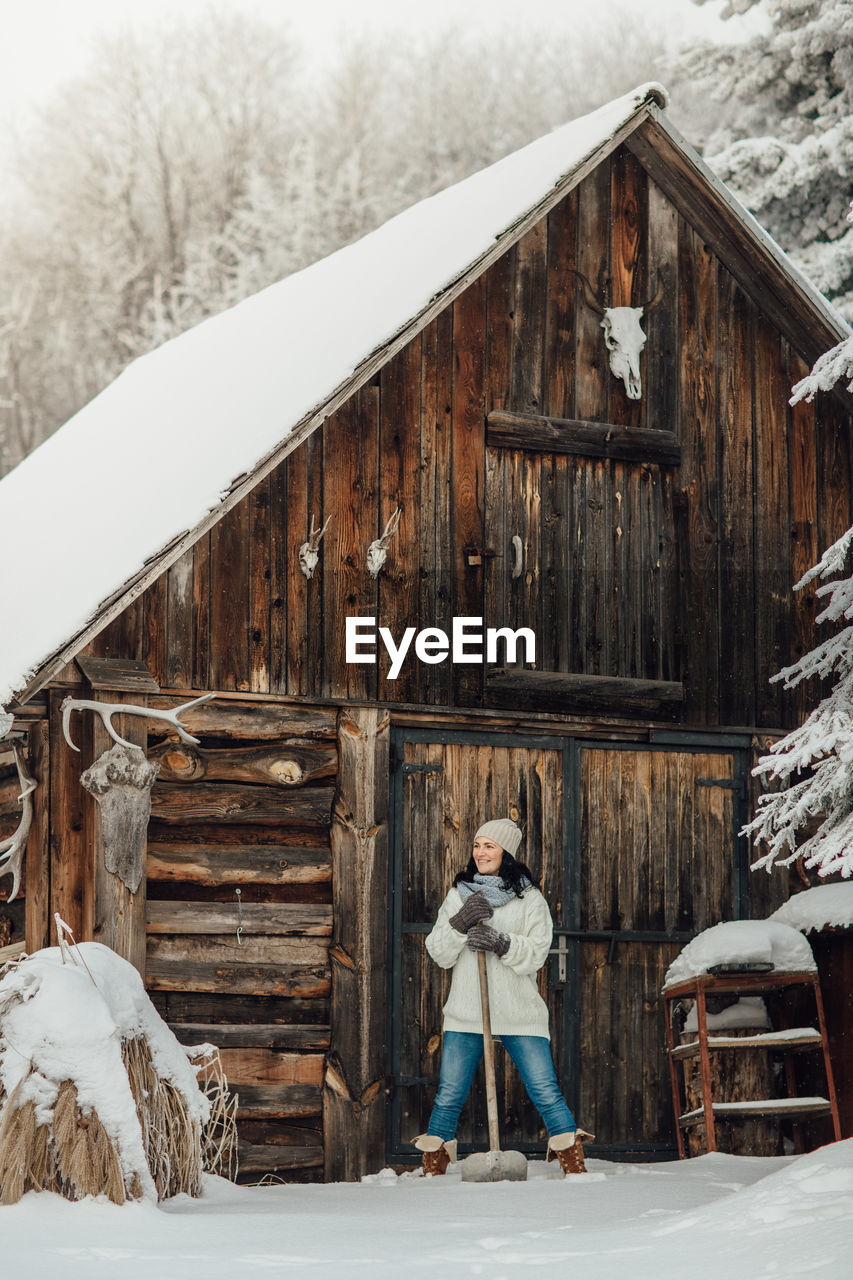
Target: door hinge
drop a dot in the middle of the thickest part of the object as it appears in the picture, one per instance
(409, 767)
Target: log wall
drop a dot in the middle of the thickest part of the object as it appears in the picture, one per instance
(641, 568)
(239, 838)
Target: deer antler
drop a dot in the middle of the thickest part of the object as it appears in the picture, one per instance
(377, 552)
(649, 306)
(108, 709)
(14, 845)
(589, 292)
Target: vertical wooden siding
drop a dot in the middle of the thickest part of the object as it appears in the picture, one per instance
(730, 529)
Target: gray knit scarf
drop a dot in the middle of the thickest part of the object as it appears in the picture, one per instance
(491, 887)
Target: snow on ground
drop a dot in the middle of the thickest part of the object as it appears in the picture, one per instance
(735, 1217)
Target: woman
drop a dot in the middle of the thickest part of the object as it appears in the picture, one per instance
(495, 888)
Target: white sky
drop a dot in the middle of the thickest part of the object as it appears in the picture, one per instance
(43, 42)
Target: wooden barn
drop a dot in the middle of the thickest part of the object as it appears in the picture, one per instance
(445, 383)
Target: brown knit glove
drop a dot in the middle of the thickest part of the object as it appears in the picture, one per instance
(484, 938)
(472, 911)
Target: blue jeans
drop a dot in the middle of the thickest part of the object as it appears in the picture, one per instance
(532, 1056)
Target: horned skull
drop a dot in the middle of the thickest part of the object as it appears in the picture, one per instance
(623, 336)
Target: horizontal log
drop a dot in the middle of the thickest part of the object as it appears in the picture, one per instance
(232, 1008)
(213, 864)
(259, 1100)
(280, 918)
(556, 689)
(247, 1036)
(276, 764)
(266, 1066)
(268, 1157)
(236, 833)
(211, 802)
(262, 966)
(585, 439)
(257, 721)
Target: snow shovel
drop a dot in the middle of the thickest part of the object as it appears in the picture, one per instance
(493, 1165)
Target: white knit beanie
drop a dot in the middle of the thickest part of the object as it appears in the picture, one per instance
(504, 832)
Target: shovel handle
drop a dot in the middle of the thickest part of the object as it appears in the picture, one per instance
(489, 1057)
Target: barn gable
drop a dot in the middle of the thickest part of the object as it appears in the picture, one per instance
(654, 566)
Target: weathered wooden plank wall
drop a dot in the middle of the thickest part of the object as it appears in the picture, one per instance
(679, 572)
(248, 810)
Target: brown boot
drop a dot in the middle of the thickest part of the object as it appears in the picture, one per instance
(568, 1149)
(437, 1154)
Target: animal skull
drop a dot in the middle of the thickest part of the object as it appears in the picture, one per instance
(623, 336)
(625, 340)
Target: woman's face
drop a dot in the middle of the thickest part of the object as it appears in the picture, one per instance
(488, 856)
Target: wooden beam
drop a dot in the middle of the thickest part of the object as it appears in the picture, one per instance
(223, 864)
(603, 693)
(585, 439)
(263, 966)
(247, 1035)
(354, 1096)
(278, 918)
(214, 802)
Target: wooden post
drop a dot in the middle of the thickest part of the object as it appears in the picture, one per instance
(112, 914)
(354, 1092)
(37, 864)
(117, 914)
(70, 868)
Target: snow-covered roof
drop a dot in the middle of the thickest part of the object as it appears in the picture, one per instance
(114, 496)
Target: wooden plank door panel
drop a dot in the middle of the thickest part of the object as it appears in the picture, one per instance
(447, 790)
(657, 849)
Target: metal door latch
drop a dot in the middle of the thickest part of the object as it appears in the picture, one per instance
(562, 952)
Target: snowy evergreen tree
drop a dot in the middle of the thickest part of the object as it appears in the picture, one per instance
(815, 762)
(783, 137)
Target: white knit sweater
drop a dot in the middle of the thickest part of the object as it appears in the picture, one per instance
(515, 1005)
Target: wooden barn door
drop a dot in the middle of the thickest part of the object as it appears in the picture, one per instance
(637, 849)
(444, 786)
(661, 860)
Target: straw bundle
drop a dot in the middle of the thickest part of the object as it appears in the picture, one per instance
(96, 1095)
(219, 1136)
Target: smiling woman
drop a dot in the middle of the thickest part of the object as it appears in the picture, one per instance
(497, 888)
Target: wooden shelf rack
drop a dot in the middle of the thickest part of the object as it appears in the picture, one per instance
(786, 1043)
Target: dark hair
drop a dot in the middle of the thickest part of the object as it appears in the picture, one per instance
(512, 873)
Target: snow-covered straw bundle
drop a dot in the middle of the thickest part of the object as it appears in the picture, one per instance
(97, 1097)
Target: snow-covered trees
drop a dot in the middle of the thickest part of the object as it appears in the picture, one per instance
(815, 762)
(784, 135)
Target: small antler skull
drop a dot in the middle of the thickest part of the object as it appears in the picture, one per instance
(623, 335)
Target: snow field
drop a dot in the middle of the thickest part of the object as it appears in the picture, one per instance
(730, 1217)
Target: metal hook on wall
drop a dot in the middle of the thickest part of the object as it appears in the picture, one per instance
(239, 893)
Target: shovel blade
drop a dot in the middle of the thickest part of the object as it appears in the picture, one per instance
(494, 1166)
